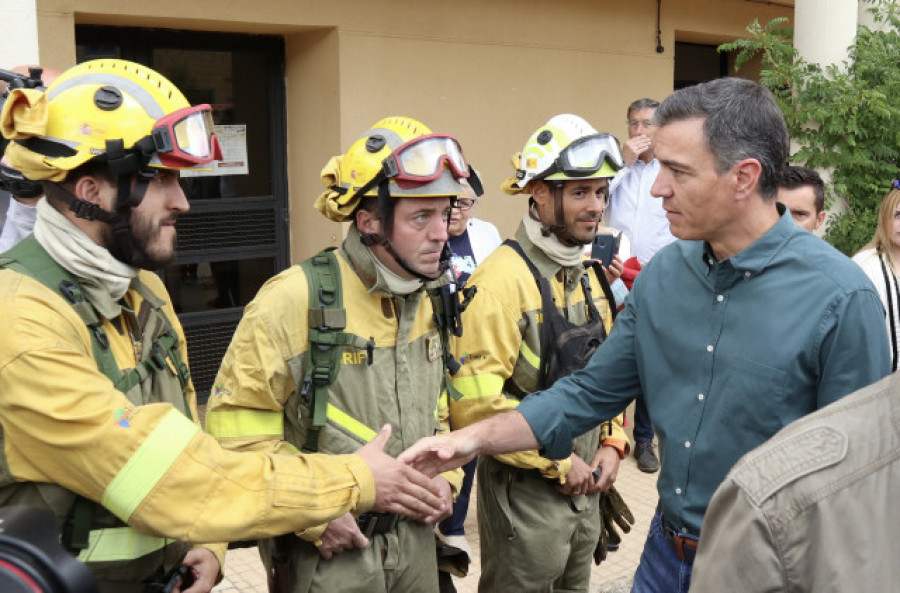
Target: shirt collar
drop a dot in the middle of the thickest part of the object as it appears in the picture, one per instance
(755, 257)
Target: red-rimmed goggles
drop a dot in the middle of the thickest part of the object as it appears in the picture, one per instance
(186, 138)
(422, 159)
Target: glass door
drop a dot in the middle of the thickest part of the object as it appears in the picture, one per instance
(235, 236)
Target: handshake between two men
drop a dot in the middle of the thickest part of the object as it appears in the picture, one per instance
(408, 485)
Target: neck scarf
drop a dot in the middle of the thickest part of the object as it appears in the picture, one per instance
(561, 254)
(103, 278)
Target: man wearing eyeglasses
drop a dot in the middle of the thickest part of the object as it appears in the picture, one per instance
(539, 519)
(344, 349)
(471, 241)
(641, 217)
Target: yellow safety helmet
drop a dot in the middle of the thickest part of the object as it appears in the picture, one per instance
(566, 147)
(398, 157)
(116, 110)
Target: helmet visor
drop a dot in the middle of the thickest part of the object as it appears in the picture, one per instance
(422, 159)
(585, 156)
(186, 137)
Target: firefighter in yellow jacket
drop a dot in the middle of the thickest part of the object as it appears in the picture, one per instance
(278, 390)
(541, 517)
(98, 413)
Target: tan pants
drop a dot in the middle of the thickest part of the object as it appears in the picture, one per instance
(532, 537)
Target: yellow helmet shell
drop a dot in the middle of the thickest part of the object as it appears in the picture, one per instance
(94, 102)
(363, 161)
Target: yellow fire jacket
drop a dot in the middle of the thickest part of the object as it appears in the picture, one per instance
(257, 404)
(502, 356)
(66, 429)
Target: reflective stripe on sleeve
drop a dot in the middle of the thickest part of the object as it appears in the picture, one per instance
(244, 423)
(120, 543)
(148, 464)
(442, 404)
(479, 386)
(351, 424)
(529, 355)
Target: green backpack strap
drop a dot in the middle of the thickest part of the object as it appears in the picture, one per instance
(30, 259)
(327, 321)
(164, 346)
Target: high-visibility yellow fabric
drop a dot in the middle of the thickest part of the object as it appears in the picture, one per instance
(119, 543)
(241, 423)
(152, 459)
(502, 359)
(64, 423)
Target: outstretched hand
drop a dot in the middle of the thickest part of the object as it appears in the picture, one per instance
(399, 488)
(438, 454)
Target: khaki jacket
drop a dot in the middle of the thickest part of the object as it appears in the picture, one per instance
(64, 424)
(500, 346)
(814, 508)
(257, 403)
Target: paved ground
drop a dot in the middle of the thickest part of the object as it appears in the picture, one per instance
(244, 572)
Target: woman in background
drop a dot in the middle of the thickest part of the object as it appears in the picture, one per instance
(880, 260)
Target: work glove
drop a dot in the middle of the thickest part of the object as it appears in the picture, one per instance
(613, 511)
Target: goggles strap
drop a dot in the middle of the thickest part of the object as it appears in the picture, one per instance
(475, 182)
(125, 162)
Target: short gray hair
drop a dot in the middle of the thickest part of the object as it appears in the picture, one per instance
(645, 103)
(742, 120)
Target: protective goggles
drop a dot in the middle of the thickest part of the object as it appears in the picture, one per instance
(186, 137)
(585, 156)
(422, 159)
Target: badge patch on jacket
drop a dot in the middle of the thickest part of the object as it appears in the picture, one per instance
(433, 346)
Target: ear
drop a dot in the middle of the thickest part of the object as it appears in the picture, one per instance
(367, 222)
(820, 218)
(746, 178)
(540, 191)
(89, 188)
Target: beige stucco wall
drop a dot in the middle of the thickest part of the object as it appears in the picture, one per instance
(488, 71)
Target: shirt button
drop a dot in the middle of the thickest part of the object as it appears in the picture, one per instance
(700, 397)
(687, 444)
(709, 348)
(746, 274)
(720, 298)
(678, 491)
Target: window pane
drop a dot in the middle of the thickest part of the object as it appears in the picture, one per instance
(216, 285)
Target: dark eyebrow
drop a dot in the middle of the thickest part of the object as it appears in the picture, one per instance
(673, 164)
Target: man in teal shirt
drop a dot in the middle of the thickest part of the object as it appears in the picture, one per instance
(727, 358)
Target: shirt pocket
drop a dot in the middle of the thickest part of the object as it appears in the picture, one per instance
(753, 399)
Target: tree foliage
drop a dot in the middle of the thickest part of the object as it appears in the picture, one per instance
(845, 117)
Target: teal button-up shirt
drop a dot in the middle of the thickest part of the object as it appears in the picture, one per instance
(726, 353)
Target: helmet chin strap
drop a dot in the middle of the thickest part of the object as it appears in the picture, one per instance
(559, 229)
(386, 212)
(124, 165)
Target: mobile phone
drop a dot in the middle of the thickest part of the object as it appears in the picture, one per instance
(604, 247)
